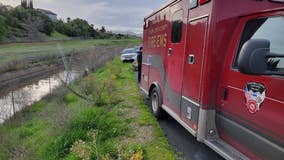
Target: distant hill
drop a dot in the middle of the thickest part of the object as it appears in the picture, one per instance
(128, 33)
(20, 24)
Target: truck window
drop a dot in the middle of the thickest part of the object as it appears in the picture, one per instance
(270, 28)
(177, 24)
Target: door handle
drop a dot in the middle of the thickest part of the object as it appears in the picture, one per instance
(191, 59)
(170, 52)
(224, 94)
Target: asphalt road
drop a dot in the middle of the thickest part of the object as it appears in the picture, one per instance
(184, 144)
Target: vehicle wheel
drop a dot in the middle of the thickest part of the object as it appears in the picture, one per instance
(156, 103)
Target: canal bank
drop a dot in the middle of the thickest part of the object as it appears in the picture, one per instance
(64, 126)
(25, 87)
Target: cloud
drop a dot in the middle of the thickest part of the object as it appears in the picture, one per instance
(125, 15)
(10, 2)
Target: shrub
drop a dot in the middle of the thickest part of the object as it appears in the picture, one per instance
(70, 98)
(79, 129)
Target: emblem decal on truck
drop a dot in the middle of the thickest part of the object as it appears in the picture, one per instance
(255, 96)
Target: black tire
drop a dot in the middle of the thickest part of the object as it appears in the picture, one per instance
(156, 103)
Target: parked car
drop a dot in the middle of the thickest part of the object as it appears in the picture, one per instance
(128, 55)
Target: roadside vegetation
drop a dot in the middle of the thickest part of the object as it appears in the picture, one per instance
(110, 122)
(56, 36)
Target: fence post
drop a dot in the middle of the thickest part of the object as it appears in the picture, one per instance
(49, 83)
(13, 103)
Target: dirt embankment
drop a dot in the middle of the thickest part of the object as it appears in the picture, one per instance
(17, 74)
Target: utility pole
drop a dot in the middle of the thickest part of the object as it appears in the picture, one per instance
(24, 4)
(31, 4)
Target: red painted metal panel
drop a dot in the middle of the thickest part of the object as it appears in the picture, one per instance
(145, 77)
(194, 52)
(269, 120)
(173, 63)
(223, 33)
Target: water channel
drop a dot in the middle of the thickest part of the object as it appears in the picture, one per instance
(17, 100)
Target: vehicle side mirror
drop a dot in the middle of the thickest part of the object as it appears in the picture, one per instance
(256, 59)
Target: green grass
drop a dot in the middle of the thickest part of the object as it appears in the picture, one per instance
(70, 98)
(58, 36)
(69, 128)
(91, 118)
(20, 51)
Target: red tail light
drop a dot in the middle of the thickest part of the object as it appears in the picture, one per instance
(203, 1)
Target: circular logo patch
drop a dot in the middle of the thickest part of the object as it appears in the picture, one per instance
(252, 107)
(254, 96)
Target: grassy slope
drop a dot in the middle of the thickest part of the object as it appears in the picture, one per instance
(19, 51)
(122, 127)
(58, 36)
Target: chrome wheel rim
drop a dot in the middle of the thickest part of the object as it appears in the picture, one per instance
(155, 102)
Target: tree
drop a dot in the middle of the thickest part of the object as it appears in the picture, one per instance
(2, 28)
(76, 28)
(48, 26)
(103, 30)
(59, 26)
(80, 28)
(45, 24)
(93, 33)
(31, 5)
(24, 4)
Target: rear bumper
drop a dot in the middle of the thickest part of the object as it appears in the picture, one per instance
(127, 59)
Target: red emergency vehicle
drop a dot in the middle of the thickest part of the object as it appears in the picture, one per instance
(217, 67)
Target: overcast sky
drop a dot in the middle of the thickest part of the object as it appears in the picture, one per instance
(125, 15)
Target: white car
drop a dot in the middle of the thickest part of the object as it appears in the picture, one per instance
(128, 55)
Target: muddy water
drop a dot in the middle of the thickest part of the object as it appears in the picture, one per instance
(17, 100)
(25, 96)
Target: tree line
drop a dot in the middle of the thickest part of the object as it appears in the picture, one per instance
(81, 28)
(26, 23)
